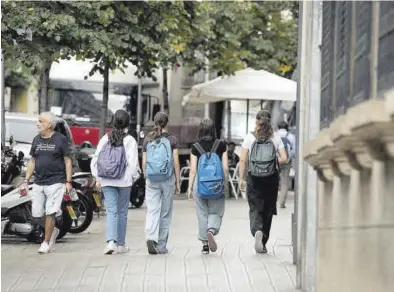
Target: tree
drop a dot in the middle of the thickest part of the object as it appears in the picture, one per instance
(36, 34)
(273, 37)
(150, 35)
(255, 34)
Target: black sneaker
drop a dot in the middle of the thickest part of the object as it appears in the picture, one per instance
(205, 249)
(152, 249)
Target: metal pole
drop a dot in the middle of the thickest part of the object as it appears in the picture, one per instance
(299, 179)
(139, 107)
(2, 99)
(206, 79)
(312, 129)
(247, 116)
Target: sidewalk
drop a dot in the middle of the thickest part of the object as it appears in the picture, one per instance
(78, 263)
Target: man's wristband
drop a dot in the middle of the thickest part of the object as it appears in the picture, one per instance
(69, 182)
(26, 181)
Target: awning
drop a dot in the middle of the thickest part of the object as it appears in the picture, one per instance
(248, 84)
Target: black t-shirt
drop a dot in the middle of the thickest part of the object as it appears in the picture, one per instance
(207, 146)
(49, 154)
(173, 141)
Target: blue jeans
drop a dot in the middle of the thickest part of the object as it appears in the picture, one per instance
(159, 198)
(117, 205)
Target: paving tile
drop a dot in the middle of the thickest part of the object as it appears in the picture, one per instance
(78, 263)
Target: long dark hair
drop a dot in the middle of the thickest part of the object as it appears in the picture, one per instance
(161, 121)
(120, 122)
(263, 129)
(207, 130)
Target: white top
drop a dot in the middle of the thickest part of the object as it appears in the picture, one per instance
(131, 173)
(250, 138)
(285, 134)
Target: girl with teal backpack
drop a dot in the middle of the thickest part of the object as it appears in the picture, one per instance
(208, 175)
(160, 163)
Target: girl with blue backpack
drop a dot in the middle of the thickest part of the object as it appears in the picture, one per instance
(261, 154)
(160, 162)
(209, 163)
(115, 166)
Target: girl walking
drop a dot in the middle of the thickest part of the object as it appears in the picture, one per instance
(115, 166)
(264, 151)
(160, 162)
(207, 155)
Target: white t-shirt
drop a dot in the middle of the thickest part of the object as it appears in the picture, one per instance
(131, 173)
(250, 138)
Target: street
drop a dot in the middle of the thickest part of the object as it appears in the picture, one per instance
(78, 264)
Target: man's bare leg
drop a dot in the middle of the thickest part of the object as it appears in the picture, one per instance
(50, 221)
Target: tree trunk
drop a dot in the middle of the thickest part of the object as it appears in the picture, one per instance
(165, 92)
(44, 84)
(104, 103)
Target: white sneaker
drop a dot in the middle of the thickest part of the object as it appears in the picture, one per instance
(44, 248)
(54, 236)
(111, 247)
(123, 249)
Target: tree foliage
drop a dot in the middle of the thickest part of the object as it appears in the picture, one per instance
(152, 35)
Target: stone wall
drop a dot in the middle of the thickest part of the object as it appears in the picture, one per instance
(348, 245)
(355, 231)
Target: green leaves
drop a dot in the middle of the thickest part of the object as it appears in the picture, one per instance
(149, 34)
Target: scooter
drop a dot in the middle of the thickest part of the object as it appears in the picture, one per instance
(17, 219)
(88, 201)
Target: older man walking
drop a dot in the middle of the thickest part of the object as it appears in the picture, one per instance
(52, 167)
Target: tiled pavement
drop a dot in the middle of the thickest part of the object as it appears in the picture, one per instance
(79, 265)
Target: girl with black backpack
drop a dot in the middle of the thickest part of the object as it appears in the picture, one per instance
(261, 154)
(209, 163)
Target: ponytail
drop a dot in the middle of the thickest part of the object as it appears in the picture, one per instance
(263, 129)
(161, 121)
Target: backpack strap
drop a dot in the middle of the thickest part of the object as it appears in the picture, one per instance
(199, 148)
(215, 146)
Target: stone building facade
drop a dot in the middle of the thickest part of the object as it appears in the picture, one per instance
(349, 152)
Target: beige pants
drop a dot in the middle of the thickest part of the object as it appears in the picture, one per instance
(284, 183)
(47, 200)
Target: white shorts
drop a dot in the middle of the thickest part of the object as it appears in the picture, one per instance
(47, 200)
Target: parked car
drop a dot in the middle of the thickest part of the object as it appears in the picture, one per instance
(23, 129)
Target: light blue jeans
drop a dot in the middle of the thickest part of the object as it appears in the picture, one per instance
(159, 199)
(209, 214)
(117, 205)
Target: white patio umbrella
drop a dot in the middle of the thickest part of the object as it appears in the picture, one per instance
(247, 84)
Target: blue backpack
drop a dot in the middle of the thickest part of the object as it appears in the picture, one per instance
(111, 162)
(288, 148)
(210, 173)
(159, 160)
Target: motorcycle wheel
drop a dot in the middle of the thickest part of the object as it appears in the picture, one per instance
(137, 194)
(138, 201)
(37, 235)
(65, 224)
(86, 207)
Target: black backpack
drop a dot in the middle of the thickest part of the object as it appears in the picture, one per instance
(263, 161)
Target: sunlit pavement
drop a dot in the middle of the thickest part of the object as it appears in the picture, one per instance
(78, 263)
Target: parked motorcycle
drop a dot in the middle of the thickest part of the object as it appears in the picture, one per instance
(17, 219)
(88, 201)
(11, 165)
(137, 194)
